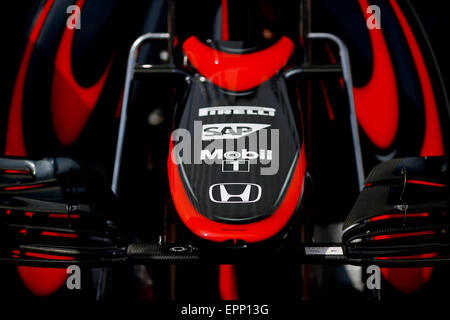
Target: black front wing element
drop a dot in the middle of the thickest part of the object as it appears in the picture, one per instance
(57, 211)
(403, 211)
(154, 253)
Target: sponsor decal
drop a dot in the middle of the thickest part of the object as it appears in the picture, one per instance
(230, 130)
(234, 110)
(217, 143)
(235, 166)
(235, 192)
(245, 154)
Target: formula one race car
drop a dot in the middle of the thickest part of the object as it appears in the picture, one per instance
(227, 156)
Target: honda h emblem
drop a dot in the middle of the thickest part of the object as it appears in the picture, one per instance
(235, 192)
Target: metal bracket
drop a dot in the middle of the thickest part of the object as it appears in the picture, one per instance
(347, 76)
(133, 69)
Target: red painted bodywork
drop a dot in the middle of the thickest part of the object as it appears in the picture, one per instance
(235, 72)
(71, 103)
(228, 282)
(225, 29)
(250, 232)
(412, 279)
(403, 235)
(376, 103)
(40, 281)
(238, 72)
(399, 215)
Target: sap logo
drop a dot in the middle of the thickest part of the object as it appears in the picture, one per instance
(230, 130)
(235, 192)
(218, 154)
(231, 110)
(190, 148)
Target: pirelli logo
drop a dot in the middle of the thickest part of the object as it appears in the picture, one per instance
(234, 110)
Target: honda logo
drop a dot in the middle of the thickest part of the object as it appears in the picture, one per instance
(235, 192)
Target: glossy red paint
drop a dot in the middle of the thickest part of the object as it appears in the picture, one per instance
(225, 29)
(399, 215)
(427, 183)
(29, 214)
(376, 103)
(228, 282)
(238, 72)
(40, 281)
(71, 104)
(30, 186)
(403, 235)
(58, 215)
(119, 106)
(43, 281)
(59, 234)
(408, 280)
(412, 279)
(16, 171)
